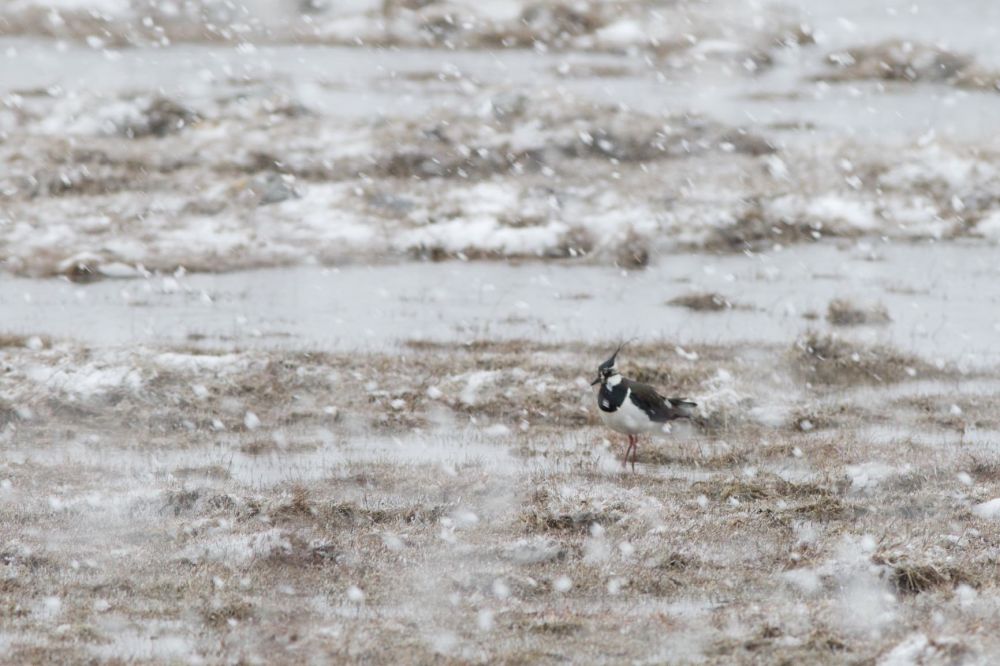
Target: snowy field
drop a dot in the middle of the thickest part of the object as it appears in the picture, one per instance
(300, 301)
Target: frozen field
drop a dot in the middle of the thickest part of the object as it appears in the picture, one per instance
(300, 303)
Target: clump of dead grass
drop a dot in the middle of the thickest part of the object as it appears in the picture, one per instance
(762, 486)
(301, 506)
(706, 301)
(911, 577)
(828, 359)
(160, 117)
(813, 417)
(720, 459)
(17, 340)
(633, 252)
(547, 511)
(7, 413)
(827, 509)
(897, 60)
(842, 312)
(220, 615)
(755, 228)
(204, 502)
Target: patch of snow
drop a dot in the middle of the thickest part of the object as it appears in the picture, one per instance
(251, 421)
(500, 589)
(198, 362)
(238, 549)
(805, 580)
(484, 620)
(989, 509)
(623, 32)
(989, 226)
(496, 430)
(474, 382)
(912, 651)
(562, 584)
(533, 550)
(866, 476)
(86, 379)
(829, 210)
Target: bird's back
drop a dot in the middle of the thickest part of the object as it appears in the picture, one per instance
(658, 408)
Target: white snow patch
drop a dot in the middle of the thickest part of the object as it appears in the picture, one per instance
(623, 32)
(474, 382)
(989, 509)
(496, 430)
(866, 476)
(88, 379)
(910, 652)
(251, 421)
(238, 549)
(533, 550)
(198, 362)
(989, 226)
(562, 584)
(805, 580)
(720, 398)
(484, 620)
(834, 210)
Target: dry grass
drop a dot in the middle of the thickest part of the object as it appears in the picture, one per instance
(702, 302)
(755, 229)
(842, 312)
(912, 577)
(633, 252)
(24, 341)
(897, 61)
(531, 549)
(828, 359)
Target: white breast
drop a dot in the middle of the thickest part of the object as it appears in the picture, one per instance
(629, 419)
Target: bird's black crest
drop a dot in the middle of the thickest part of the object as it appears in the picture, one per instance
(610, 363)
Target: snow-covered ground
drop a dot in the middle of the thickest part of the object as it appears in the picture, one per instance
(300, 302)
(220, 157)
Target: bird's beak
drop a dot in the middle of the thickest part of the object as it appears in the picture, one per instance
(595, 382)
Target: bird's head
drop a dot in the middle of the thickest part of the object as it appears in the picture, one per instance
(608, 369)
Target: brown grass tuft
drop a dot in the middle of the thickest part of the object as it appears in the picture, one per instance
(24, 341)
(633, 252)
(702, 302)
(841, 312)
(218, 616)
(827, 359)
(898, 60)
(910, 577)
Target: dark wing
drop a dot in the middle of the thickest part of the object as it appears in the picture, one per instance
(657, 407)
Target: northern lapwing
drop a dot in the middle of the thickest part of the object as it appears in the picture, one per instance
(633, 408)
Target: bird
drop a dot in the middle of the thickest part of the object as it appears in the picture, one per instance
(633, 408)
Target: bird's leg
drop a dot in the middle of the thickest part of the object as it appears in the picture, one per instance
(631, 448)
(628, 447)
(635, 451)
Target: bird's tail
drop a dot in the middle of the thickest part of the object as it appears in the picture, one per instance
(684, 408)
